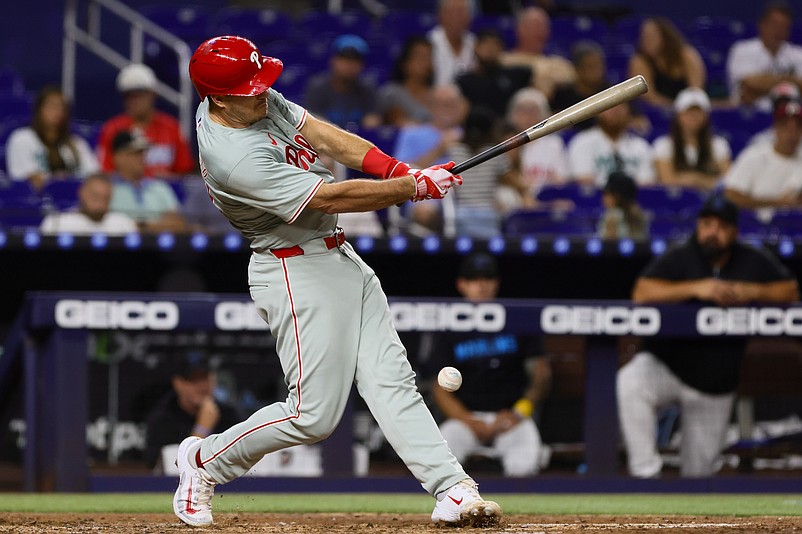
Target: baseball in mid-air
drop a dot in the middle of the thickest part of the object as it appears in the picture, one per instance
(449, 378)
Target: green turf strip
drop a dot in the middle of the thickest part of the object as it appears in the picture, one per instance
(614, 504)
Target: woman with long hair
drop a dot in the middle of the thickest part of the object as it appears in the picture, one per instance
(667, 62)
(690, 155)
(406, 98)
(622, 216)
(46, 149)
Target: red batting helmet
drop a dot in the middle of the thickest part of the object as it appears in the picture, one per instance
(231, 65)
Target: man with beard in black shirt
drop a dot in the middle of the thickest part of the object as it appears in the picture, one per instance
(700, 375)
(188, 409)
(505, 378)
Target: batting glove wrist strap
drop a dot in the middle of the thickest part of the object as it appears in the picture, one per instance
(434, 182)
(377, 163)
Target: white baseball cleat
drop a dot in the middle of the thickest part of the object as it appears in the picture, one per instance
(193, 498)
(462, 506)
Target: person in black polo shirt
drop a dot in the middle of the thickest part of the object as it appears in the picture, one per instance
(504, 380)
(700, 375)
(188, 409)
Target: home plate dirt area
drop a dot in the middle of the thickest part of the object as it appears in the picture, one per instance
(24, 523)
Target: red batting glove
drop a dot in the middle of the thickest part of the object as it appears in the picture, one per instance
(434, 182)
(377, 163)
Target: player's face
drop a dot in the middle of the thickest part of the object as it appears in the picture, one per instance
(245, 110)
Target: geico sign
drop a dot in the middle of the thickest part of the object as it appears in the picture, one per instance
(238, 316)
(125, 314)
(454, 317)
(608, 320)
(749, 321)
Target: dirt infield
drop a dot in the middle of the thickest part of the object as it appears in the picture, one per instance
(384, 523)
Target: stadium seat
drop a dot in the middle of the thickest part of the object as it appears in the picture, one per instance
(258, 25)
(670, 226)
(584, 197)
(324, 25)
(546, 222)
(188, 22)
(750, 226)
(787, 224)
(87, 130)
(62, 194)
(407, 23)
(503, 24)
(17, 106)
(20, 206)
(673, 200)
(11, 82)
(565, 31)
(717, 33)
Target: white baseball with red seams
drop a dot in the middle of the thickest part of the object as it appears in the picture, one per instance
(449, 378)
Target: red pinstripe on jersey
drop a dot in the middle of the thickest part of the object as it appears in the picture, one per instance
(297, 384)
(305, 202)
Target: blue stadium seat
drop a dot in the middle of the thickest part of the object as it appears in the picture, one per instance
(406, 23)
(583, 197)
(717, 33)
(322, 24)
(670, 226)
(87, 130)
(749, 226)
(16, 106)
(20, 206)
(11, 82)
(292, 81)
(676, 200)
(565, 31)
(258, 25)
(546, 222)
(188, 22)
(787, 223)
(62, 194)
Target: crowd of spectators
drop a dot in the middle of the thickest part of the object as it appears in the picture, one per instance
(460, 87)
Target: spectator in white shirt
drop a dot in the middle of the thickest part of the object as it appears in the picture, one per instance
(93, 215)
(543, 161)
(46, 150)
(690, 155)
(756, 65)
(767, 176)
(609, 147)
(453, 43)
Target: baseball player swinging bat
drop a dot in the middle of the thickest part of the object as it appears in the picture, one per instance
(593, 105)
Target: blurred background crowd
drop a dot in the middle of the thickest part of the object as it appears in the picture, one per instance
(435, 82)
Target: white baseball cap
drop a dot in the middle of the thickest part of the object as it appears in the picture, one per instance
(692, 97)
(136, 76)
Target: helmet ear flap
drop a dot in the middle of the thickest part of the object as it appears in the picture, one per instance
(232, 65)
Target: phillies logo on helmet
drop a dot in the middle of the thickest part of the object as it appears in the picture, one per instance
(232, 65)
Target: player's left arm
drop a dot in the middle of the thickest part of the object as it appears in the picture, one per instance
(351, 150)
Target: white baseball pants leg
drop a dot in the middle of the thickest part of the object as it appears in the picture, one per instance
(645, 385)
(518, 449)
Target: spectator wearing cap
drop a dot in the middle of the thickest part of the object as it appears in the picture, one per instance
(700, 375)
(767, 176)
(92, 215)
(46, 150)
(453, 43)
(780, 93)
(168, 154)
(756, 65)
(188, 409)
(342, 95)
(151, 202)
(489, 83)
(622, 216)
(505, 378)
(690, 155)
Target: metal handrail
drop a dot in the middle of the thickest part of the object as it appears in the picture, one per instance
(90, 39)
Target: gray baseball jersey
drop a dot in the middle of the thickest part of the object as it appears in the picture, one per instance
(324, 305)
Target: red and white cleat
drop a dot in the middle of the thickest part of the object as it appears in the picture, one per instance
(462, 506)
(193, 498)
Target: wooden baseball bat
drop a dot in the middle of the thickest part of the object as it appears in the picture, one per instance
(592, 105)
